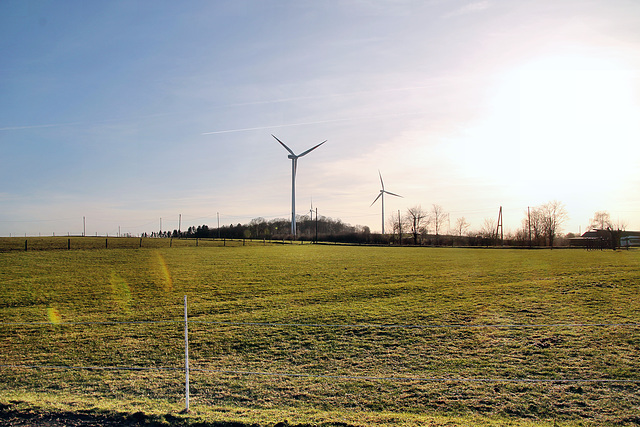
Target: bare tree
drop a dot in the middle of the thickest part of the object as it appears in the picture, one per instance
(553, 216)
(533, 226)
(488, 228)
(601, 220)
(621, 225)
(416, 217)
(438, 218)
(396, 222)
(461, 225)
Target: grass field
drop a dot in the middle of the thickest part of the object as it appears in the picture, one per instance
(303, 333)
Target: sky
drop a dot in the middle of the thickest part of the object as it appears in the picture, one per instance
(140, 114)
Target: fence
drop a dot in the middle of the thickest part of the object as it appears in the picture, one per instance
(8, 244)
(414, 362)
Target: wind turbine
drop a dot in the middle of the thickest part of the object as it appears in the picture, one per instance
(381, 195)
(294, 165)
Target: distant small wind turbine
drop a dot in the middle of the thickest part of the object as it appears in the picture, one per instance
(294, 165)
(381, 195)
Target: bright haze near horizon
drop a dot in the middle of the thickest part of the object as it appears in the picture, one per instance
(126, 112)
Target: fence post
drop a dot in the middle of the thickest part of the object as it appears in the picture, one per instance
(68, 244)
(186, 355)
(106, 243)
(25, 245)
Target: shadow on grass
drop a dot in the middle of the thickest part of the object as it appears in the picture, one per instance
(9, 415)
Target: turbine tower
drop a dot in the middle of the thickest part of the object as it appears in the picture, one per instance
(381, 195)
(294, 165)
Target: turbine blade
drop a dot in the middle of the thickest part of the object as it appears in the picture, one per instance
(311, 149)
(393, 194)
(381, 182)
(282, 143)
(379, 194)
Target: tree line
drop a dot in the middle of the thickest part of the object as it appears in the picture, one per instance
(540, 226)
(309, 229)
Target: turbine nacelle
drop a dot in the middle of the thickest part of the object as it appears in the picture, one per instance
(293, 155)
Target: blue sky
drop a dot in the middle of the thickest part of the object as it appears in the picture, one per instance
(126, 112)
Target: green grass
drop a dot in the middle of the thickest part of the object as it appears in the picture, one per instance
(552, 292)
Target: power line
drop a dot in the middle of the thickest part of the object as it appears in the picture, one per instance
(94, 368)
(337, 325)
(132, 322)
(339, 377)
(435, 326)
(37, 220)
(427, 379)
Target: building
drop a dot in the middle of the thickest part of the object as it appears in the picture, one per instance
(607, 239)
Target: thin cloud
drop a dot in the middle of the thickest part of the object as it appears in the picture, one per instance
(437, 82)
(469, 8)
(273, 101)
(92, 122)
(434, 82)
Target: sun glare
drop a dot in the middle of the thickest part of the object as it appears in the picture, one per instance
(120, 291)
(165, 275)
(555, 128)
(54, 315)
(577, 115)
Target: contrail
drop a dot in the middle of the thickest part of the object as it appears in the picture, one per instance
(436, 82)
(312, 123)
(38, 126)
(273, 126)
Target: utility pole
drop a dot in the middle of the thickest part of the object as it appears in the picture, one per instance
(529, 221)
(499, 227)
(316, 225)
(84, 226)
(218, 215)
(399, 228)
(179, 223)
(186, 355)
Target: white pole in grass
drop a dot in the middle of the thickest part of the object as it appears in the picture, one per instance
(186, 355)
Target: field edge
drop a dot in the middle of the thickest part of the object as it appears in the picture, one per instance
(58, 409)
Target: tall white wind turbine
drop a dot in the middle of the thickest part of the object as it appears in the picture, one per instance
(381, 195)
(294, 165)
